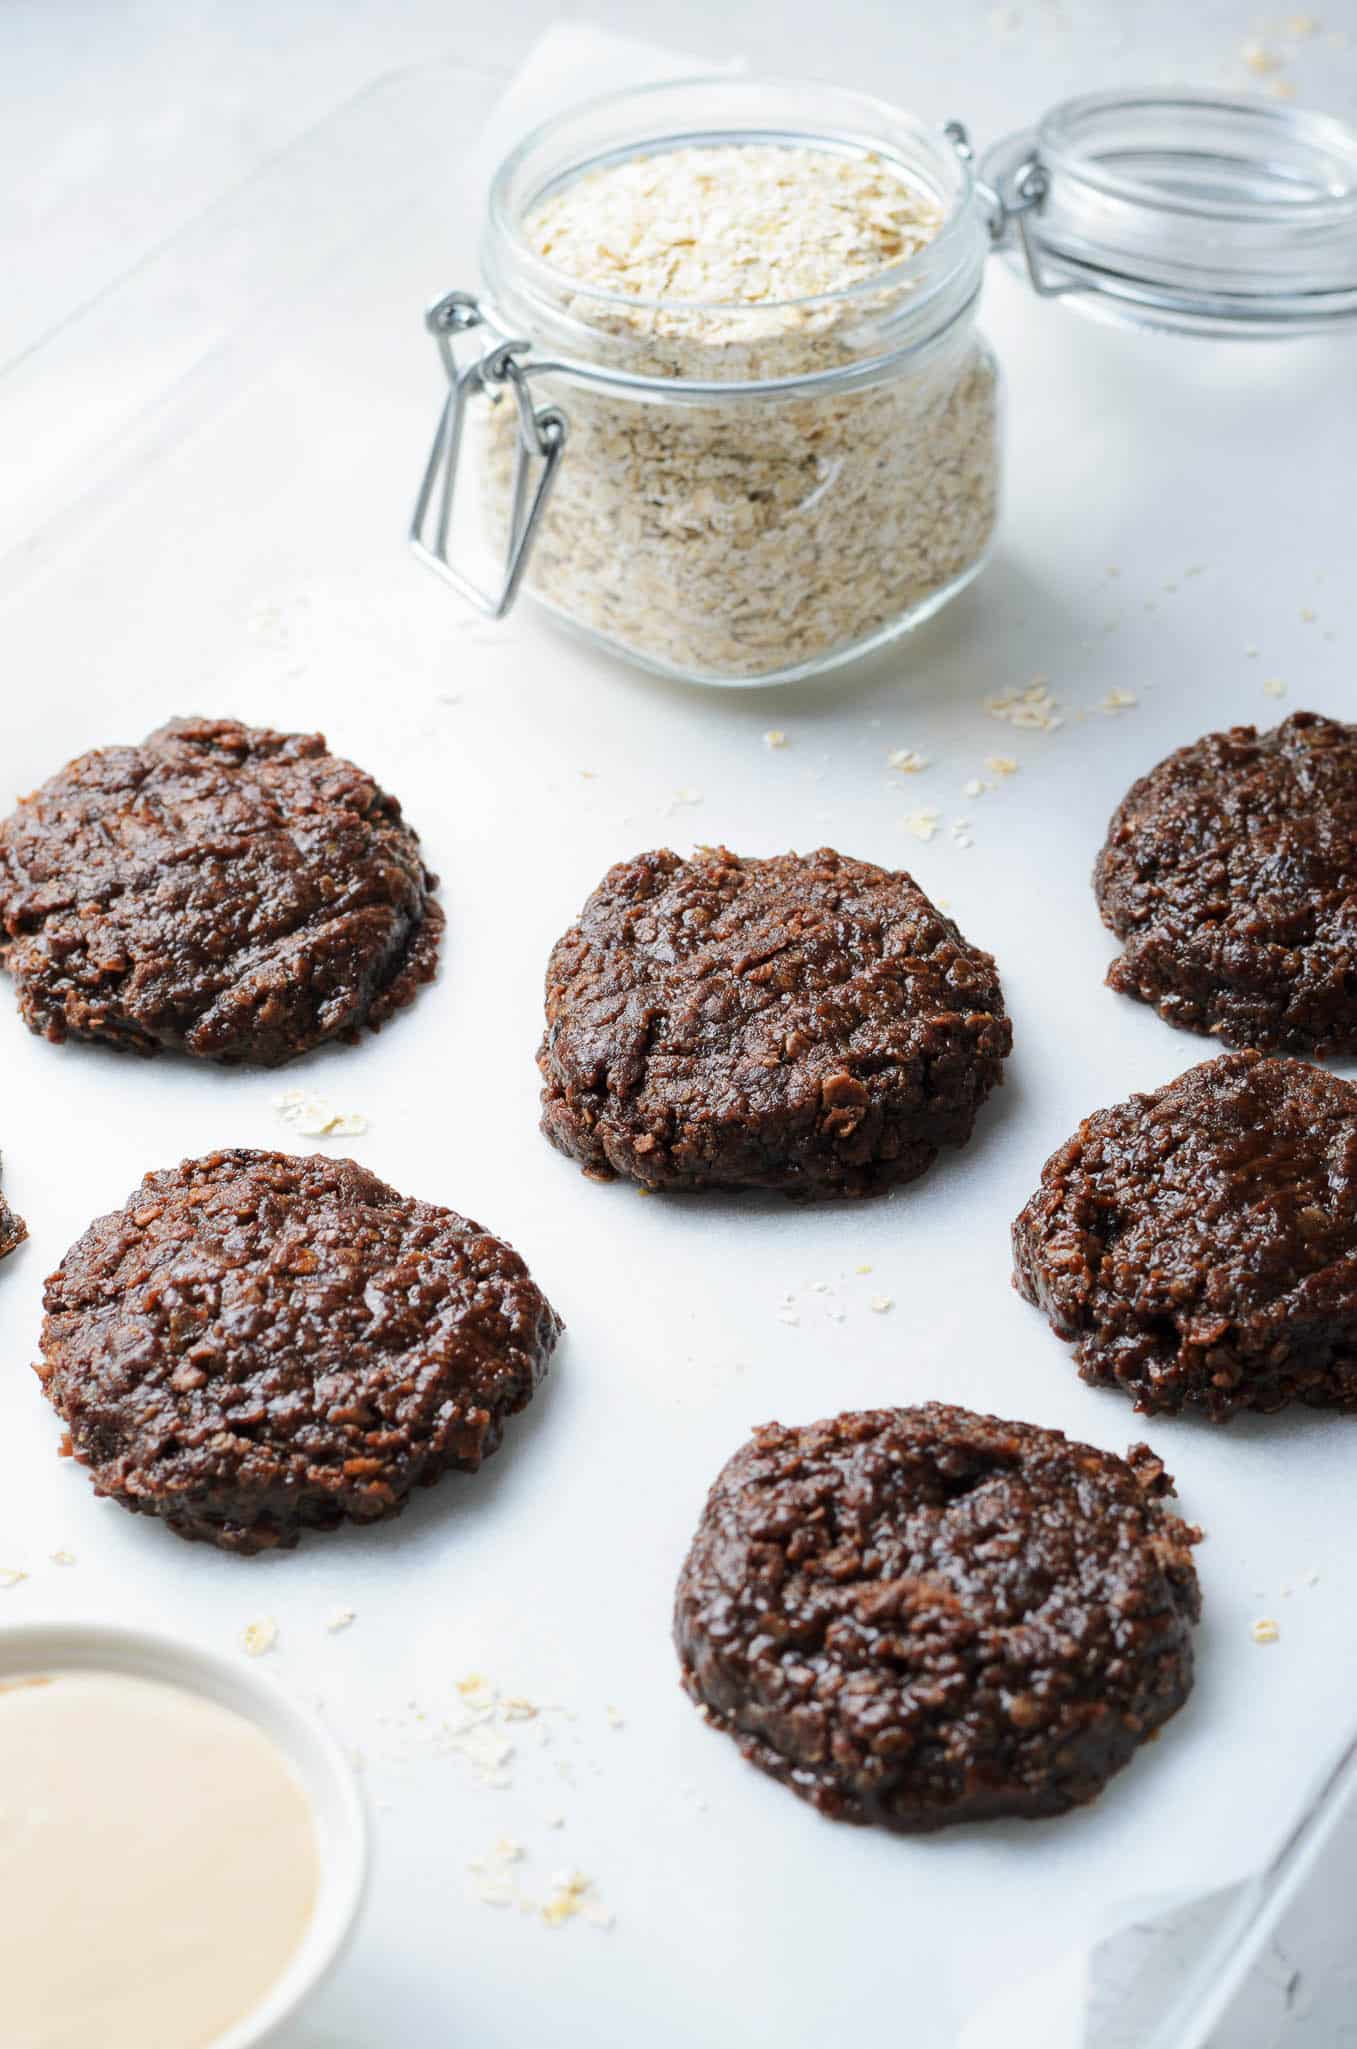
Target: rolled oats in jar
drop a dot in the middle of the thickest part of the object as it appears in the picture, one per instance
(753, 308)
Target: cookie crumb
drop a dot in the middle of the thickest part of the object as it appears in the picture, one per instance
(259, 1637)
(1273, 686)
(907, 761)
(1258, 59)
(10, 1576)
(1119, 700)
(341, 1619)
(1265, 1630)
(63, 1558)
(775, 737)
(881, 1303)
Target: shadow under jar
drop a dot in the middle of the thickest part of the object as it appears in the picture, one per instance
(757, 484)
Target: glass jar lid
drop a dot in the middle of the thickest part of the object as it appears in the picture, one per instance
(1188, 210)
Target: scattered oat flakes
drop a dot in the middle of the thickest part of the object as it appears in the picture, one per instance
(906, 760)
(775, 737)
(881, 1303)
(10, 1576)
(341, 1619)
(1273, 686)
(1265, 1630)
(1033, 709)
(923, 824)
(1119, 700)
(63, 1558)
(568, 1898)
(259, 1637)
(315, 1117)
(1001, 764)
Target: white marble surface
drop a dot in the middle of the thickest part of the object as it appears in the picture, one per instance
(121, 123)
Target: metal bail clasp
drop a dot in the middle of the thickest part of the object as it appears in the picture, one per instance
(1013, 209)
(541, 437)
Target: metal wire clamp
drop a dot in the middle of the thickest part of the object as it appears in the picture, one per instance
(1013, 210)
(541, 437)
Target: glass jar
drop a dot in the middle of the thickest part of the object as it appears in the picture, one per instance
(744, 492)
(754, 491)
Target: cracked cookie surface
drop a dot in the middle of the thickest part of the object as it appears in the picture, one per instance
(258, 1344)
(219, 890)
(807, 1023)
(1230, 876)
(1198, 1245)
(923, 1616)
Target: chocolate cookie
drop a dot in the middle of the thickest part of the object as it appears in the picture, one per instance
(220, 890)
(1198, 1246)
(807, 1023)
(259, 1344)
(13, 1230)
(1230, 874)
(923, 1616)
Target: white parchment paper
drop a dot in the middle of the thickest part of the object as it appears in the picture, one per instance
(231, 540)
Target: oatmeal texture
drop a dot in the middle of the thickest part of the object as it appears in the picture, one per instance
(220, 890)
(923, 1616)
(13, 1230)
(1230, 876)
(1198, 1246)
(808, 1023)
(739, 536)
(258, 1344)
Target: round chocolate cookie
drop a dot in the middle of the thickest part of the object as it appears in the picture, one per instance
(807, 1023)
(259, 1344)
(13, 1230)
(220, 890)
(923, 1616)
(1230, 875)
(1199, 1245)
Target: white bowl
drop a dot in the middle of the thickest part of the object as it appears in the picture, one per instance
(320, 1764)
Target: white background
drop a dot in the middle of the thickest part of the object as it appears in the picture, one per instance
(251, 562)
